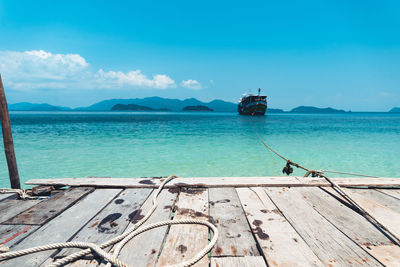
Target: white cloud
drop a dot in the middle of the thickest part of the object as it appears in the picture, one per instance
(191, 84)
(118, 79)
(40, 69)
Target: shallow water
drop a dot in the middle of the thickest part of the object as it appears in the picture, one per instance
(67, 144)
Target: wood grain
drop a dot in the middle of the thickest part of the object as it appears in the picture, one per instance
(7, 197)
(12, 234)
(380, 197)
(354, 225)
(50, 208)
(391, 192)
(185, 241)
(217, 182)
(389, 218)
(147, 245)
(226, 213)
(62, 228)
(249, 261)
(330, 245)
(110, 222)
(11, 208)
(280, 243)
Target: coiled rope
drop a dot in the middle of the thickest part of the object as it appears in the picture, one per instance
(288, 170)
(121, 240)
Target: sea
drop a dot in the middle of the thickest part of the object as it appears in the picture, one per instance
(129, 144)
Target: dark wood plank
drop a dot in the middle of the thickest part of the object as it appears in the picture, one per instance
(226, 213)
(12, 234)
(110, 222)
(7, 196)
(330, 245)
(50, 208)
(11, 208)
(62, 228)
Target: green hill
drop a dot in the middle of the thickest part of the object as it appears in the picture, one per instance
(309, 109)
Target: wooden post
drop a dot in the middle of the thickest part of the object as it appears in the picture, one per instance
(8, 140)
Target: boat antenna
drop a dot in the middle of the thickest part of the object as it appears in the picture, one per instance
(259, 90)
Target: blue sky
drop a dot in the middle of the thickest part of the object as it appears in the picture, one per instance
(343, 54)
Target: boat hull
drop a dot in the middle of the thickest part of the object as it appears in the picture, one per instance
(253, 109)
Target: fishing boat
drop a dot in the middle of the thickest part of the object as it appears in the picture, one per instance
(252, 105)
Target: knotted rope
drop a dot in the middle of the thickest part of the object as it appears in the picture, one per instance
(121, 240)
(288, 170)
(22, 193)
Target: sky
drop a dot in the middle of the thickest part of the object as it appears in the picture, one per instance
(340, 54)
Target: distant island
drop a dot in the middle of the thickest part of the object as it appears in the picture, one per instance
(175, 105)
(274, 110)
(166, 104)
(26, 106)
(133, 107)
(308, 109)
(197, 108)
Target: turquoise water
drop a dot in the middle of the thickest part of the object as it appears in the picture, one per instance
(55, 145)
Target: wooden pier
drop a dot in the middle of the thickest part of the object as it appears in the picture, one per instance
(262, 221)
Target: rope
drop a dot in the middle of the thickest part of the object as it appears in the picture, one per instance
(349, 173)
(315, 173)
(22, 193)
(122, 239)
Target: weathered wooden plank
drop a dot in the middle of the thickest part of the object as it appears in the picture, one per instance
(50, 208)
(226, 213)
(148, 244)
(217, 182)
(351, 182)
(330, 245)
(354, 225)
(12, 234)
(380, 197)
(249, 261)
(185, 241)
(388, 255)
(391, 192)
(350, 223)
(110, 222)
(280, 243)
(8, 196)
(383, 214)
(10, 208)
(62, 228)
(155, 182)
